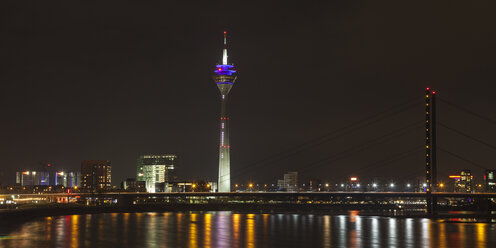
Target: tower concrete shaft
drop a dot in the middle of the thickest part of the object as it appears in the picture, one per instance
(224, 149)
(225, 75)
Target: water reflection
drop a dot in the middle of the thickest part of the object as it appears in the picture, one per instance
(409, 235)
(393, 232)
(374, 229)
(250, 230)
(236, 233)
(442, 235)
(481, 233)
(327, 231)
(192, 231)
(74, 231)
(207, 230)
(425, 231)
(227, 229)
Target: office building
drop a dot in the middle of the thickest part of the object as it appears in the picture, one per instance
(32, 178)
(96, 174)
(464, 183)
(490, 181)
(60, 178)
(289, 182)
(73, 179)
(156, 171)
(67, 179)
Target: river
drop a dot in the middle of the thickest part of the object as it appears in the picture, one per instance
(232, 229)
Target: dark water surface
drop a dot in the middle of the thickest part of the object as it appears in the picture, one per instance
(229, 229)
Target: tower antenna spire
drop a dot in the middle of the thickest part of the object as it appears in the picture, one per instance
(224, 54)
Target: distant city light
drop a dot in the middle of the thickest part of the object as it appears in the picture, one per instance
(391, 185)
(353, 179)
(374, 185)
(408, 185)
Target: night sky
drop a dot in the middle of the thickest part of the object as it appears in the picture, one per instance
(112, 80)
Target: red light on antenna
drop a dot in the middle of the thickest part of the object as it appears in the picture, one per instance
(433, 92)
(427, 88)
(225, 32)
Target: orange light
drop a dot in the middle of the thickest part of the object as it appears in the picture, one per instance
(454, 177)
(353, 179)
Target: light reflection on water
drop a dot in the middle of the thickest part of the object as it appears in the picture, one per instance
(227, 229)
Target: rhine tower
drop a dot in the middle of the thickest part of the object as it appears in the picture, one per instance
(225, 75)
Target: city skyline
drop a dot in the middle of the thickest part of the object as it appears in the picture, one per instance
(125, 92)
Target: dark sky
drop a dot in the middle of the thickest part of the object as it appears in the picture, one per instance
(115, 79)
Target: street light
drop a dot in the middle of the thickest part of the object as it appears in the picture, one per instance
(391, 185)
(374, 185)
(408, 185)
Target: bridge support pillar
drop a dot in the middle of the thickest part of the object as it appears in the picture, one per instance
(431, 204)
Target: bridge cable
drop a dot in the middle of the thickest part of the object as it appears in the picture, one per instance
(468, 111)
(468, 136)
(385, 162)
(325, 138)
(362, 147)
(461, 158)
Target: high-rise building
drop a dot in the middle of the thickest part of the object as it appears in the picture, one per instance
(225, 75)
(60, 178)
(129, 184)
(156, 171)
(31, 178)
(67, 179)
(73, 179)
(289, 182)
(464, 184)
(96, 174)
(490, 180)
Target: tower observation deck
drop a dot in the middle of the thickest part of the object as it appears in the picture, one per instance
(224, 77)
